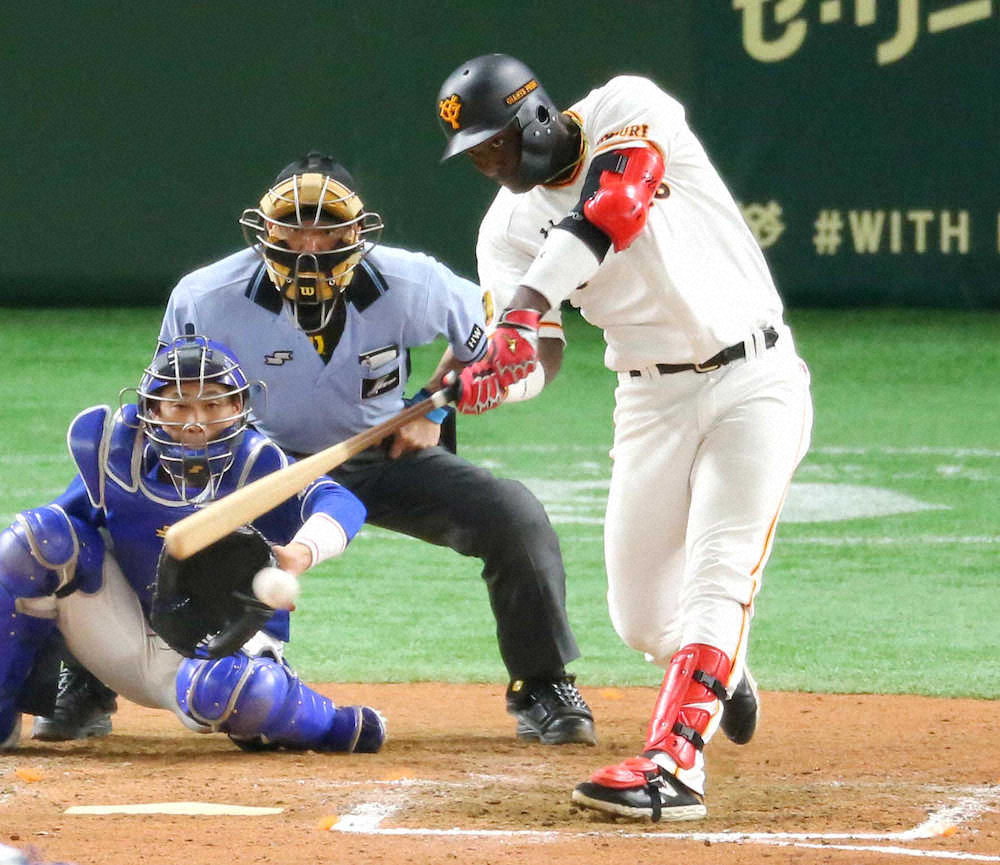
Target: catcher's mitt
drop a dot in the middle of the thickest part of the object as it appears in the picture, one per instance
(203, 606)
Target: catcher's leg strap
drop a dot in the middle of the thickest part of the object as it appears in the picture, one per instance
(260, 697)
(689, 699)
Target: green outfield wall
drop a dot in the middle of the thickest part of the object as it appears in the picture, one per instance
(859, 136)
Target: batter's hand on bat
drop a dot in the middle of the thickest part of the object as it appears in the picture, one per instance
(513, 348)
(512, 354)
(480, 389)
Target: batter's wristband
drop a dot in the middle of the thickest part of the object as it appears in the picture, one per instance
(436, 415)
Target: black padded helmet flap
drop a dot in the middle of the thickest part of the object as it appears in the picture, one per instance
(487, 94)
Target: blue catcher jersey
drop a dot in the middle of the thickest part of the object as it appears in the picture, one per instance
(397, 300)
(119, 487)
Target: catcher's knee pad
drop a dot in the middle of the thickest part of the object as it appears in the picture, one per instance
(46, 551)
(260, 697)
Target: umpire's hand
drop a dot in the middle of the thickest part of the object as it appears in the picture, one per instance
(415, 436)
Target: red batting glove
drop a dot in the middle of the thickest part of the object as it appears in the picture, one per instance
(481, 389)
(513, 349)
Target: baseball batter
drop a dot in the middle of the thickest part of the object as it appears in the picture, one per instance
(86, 563)
(614, 205)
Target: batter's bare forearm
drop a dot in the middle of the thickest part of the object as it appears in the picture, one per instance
(528, 298)
(448, 363)
(550, 355)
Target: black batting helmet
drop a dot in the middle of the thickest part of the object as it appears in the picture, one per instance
(487, 94)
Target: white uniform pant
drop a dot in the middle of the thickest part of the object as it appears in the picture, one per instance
(702, 463)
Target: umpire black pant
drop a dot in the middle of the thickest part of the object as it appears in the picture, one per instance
(445, 500)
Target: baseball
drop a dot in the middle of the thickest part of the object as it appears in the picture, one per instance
(276, 588)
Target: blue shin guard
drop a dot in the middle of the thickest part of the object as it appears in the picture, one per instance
(20, 640)
(44, 552)
(257, 698)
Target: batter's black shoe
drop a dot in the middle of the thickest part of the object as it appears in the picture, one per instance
(741, 712)
(640, 789)
(551, 711)
(83, 708)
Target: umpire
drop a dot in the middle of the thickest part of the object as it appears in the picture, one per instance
(323, 315)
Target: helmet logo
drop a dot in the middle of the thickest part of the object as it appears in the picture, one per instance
(449, 109)
(521, 92)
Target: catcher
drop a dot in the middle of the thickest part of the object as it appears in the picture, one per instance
(186, 636)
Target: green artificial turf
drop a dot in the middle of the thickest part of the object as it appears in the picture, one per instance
(904, 599)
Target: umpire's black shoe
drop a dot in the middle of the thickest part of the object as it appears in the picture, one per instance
(83, 709)
(551, 711)
(741, 712)
(640, 789)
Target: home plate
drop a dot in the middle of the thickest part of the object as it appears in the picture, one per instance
(185, 808)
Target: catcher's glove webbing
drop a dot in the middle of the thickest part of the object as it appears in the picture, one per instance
(203, 606)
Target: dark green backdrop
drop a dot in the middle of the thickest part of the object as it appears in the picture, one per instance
(134, 133)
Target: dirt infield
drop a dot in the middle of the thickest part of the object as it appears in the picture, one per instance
(827, 779)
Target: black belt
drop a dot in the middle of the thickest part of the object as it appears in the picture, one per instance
(727, 355)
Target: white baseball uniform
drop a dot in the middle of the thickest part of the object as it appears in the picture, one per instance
(702, 461)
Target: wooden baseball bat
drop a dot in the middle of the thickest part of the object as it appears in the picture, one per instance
(216, 520)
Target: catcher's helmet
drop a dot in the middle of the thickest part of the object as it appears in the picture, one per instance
(487, 94)
(194, 469)
(314, 192)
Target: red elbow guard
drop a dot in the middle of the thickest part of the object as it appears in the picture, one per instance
(625, 194)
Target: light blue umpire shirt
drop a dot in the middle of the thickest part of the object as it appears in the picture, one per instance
(397, 300)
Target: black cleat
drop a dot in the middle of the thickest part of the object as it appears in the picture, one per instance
(83, 709)
(638, 788)
(551, 711)
(741, 712)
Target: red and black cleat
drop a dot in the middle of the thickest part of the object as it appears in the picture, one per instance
(640, 789)
(741, 712)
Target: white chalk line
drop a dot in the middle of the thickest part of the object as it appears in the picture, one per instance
(367, 819)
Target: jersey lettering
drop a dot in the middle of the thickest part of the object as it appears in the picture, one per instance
(635, 130)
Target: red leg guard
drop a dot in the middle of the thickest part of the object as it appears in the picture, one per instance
(697, 675)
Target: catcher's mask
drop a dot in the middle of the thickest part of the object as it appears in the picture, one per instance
(312, 230)
(205, 376)
(488, 94)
